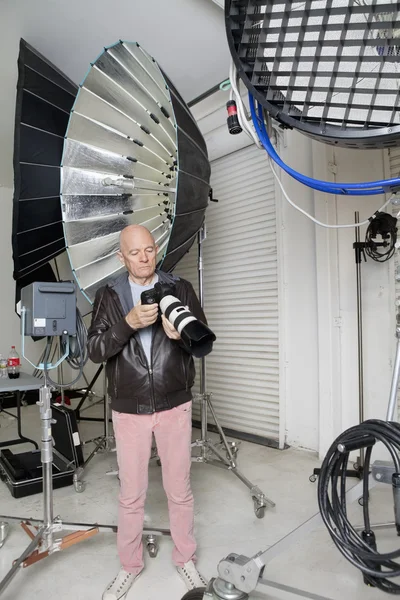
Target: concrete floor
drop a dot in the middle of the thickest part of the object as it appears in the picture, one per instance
(225, 523)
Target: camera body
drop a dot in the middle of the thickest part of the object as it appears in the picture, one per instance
(155, 295)
(195, 334)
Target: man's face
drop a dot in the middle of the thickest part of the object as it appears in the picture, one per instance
(138, 253)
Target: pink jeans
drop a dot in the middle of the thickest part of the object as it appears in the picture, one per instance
(133, 434)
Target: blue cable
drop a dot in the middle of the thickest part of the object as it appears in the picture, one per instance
(352, 189)
(331, 188)
(323, 186)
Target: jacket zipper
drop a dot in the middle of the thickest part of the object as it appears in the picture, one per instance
(185, 372)
(115, 379)
(153, 402)
(148, 367)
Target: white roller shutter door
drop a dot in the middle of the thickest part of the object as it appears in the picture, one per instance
(241, 295)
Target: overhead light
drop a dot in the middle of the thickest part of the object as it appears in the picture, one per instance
(327, 68)
(132, 154)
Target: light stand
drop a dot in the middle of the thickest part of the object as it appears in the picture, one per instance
(359, 253)
(207, 448)
(43, 533)
(87, 392)
(104, 443)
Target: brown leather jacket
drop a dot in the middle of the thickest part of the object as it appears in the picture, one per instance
(133, 385)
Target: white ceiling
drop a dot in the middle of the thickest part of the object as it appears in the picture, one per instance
(220, 3)
(186, 37)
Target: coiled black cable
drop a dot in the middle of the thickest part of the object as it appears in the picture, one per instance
(358, 548)
(78, 356)
(382, 224)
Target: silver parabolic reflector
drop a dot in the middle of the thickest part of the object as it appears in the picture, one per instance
(132, 154)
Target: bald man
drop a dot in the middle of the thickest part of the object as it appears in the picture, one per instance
(150, 374)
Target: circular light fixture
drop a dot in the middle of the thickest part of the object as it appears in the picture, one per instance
(132, 154)
(327, 68)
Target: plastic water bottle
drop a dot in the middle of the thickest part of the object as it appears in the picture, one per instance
(13, 364)
(3, 367)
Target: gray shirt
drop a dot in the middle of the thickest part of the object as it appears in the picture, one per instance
(147, 332)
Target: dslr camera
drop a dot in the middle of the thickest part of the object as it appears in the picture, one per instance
(194, 333)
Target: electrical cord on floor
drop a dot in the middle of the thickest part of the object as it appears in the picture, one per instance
(360, 549)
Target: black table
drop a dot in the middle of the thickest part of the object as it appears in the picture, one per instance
(24, 383)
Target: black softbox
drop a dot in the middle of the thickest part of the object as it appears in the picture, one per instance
(44, 99)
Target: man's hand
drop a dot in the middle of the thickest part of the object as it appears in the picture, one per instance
(142, 315)
(169, 329)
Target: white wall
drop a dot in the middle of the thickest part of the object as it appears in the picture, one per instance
(320, 298)
(300, 302)
(377, 296)
(319, 331)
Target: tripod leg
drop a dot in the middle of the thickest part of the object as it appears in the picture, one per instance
(78, 536)
(4, 531)
(221, 433)
(17, 564)
(89, 388)
(260, 500)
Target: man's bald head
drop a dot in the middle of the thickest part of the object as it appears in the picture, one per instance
(132, 232)
(138, 252)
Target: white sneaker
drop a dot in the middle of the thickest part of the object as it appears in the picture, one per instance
(120, 586)
(191, 576)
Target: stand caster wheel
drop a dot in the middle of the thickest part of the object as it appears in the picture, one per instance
(4, 531)
(152, 549)
(234, 450)
(361, 500)
(260, 512)
(312, 478)
(259, 509)
(234, 456)
(196, 594)
(356, 466)
(79, 486)
(152, 546)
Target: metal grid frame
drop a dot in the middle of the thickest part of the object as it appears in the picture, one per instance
(329, 68)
